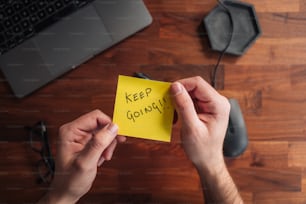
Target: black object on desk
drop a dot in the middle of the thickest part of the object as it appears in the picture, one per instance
(236, 138)
(232, 18)
(38, 140)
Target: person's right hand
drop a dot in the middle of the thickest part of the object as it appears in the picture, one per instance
(204, 115)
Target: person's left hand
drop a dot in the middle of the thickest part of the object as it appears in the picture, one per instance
(84, 144)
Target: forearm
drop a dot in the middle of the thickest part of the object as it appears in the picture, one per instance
(218, 185)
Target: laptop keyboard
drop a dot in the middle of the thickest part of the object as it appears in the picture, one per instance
(22, 19)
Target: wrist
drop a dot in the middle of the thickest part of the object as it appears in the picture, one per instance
(210, 169)
(218, 186)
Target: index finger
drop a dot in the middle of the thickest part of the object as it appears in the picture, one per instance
(91, 121)
(200, 89)
(206, 97)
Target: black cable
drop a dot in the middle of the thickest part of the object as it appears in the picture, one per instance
(216, 68)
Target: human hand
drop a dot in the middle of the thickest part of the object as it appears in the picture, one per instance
(204, 115)
(84, 144)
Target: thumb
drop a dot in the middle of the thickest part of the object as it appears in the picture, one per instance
(96, 146)
(183, 103)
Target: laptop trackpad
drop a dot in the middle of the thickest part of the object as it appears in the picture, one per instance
(73, 40)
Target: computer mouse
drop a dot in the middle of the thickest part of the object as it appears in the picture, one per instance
(236, 138)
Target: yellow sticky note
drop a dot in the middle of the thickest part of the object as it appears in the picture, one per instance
(143, 109)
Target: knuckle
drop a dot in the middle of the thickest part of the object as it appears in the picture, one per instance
(224, 103)
(98, 144)
(183, 102)
(64, 129)
(198, 79)
(97, 112)
(228, 106)
(183, 105)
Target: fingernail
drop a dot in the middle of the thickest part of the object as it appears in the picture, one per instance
(113, 128)
(100, 162)
(176, 88)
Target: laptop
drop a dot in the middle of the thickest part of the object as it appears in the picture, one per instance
(40, 40)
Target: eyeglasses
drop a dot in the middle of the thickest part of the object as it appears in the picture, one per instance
(40, 144)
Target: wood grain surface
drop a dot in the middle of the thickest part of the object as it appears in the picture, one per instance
(269, 81)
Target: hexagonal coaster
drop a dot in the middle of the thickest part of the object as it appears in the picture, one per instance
(246, 27)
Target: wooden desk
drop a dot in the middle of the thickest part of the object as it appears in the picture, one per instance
(269, 81)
